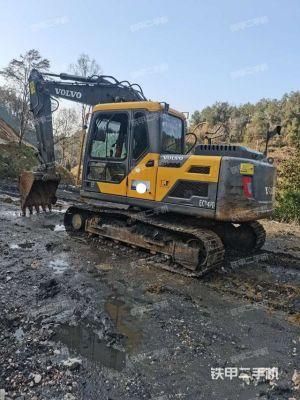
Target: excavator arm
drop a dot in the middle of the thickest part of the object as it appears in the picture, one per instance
(38, 188)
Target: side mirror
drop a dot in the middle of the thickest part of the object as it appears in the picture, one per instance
(87, 118)
(275, 132)
(270, 135)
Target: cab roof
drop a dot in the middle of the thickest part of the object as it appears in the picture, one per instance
(133, 105)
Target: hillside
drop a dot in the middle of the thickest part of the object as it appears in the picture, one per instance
(7, 133)
(13, 123)
(15, 158)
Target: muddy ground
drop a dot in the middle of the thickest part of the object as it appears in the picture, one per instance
(83, 319)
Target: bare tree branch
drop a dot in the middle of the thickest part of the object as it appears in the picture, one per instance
(17, 74)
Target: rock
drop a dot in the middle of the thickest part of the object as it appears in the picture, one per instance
(2, 394)
(296, 379)
(6, 199)
(47, 289)
(37, 378)
(69, 396)
(35, 264)
(72, 363)
(104, 267)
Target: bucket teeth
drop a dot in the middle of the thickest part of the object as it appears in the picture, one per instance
(37, 190)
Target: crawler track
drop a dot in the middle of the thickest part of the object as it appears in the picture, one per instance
(191, 250)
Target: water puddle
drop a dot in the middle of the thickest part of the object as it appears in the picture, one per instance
(59, 266)
(56, 228)
(24, 246)
(283, 272)
(10, 214)
(59, 228)
(85, 342)
(19, 335)
(119, 313)
(59, 211)
(14, 246)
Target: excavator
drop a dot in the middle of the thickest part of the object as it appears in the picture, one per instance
(143, 183)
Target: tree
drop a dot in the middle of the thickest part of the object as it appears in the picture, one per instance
(85, 66)
(65, 124)
(17, 74)
(291, 117)
(196, 118)
(218, 118)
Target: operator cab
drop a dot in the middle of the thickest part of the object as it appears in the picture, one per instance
(122, 134)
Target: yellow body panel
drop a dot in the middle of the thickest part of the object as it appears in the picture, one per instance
(153, 106)
(144, 174)
(160, 180)
(118, 189)
(139, 173)
(167, 176)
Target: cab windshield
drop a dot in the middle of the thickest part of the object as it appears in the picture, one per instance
(172, 134)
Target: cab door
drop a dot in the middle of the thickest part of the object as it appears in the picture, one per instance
(107, 153)
(142, 162)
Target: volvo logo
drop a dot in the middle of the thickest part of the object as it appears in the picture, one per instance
(172, 157)
(68, 93)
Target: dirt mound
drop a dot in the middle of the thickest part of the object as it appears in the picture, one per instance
(7, 133)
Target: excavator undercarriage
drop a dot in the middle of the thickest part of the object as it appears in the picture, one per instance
(192, 246)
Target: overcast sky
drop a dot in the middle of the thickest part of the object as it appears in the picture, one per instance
(188, 53)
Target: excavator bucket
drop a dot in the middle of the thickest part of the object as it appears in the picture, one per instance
(37, 190)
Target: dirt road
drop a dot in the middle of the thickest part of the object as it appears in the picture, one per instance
(82, 319)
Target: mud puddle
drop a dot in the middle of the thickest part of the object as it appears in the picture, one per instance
(119, 313)
(59, 228)
(23, 246)
(109, 347)
(59, 266)
(56, 228)
(86, 343)
(19, 335)
(10, 214)
(284, 273)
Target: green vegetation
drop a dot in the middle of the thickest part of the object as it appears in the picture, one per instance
(249, 123)
(288, 190)
(15, 158)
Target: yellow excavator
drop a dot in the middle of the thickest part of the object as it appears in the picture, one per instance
(143, 183)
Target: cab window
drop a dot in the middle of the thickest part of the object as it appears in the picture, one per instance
(109, 136)
(140, 135)
(172, 134)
